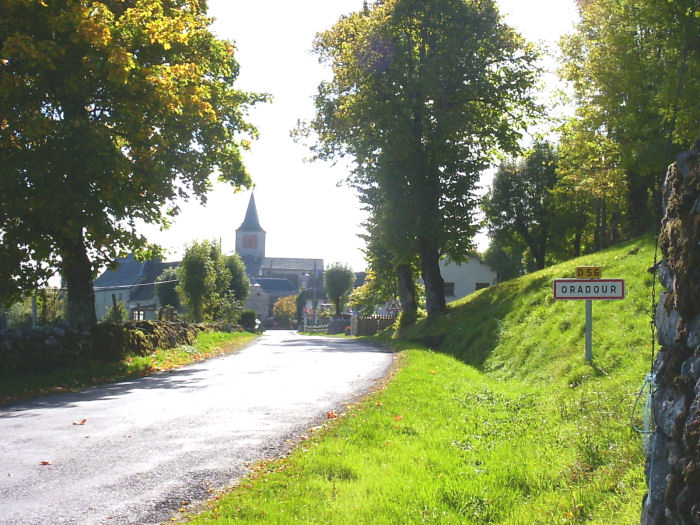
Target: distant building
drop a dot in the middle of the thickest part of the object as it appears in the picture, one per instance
(272, 277)
(461, 279)
(132, 282)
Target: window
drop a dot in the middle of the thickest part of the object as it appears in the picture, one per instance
(250, 241)
(449, 289)
(479, 286)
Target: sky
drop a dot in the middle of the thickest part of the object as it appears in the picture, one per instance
(301, 205)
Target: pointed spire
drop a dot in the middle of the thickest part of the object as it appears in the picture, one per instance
(251, 223)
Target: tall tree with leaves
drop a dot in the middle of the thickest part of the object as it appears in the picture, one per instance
(421, 95)
(239, 284)
(635, 67)
(338, 280)
(109, 110)
(520, 203)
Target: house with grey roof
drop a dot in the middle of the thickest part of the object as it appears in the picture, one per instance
(133, 282)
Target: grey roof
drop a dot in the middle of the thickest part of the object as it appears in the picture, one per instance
(288, 263)
(275, 286)
(252, 264)
(130, 272)
(251, 223)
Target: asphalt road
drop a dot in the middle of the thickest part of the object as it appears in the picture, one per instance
(147, 446)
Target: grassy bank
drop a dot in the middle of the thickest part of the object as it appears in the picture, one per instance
(85, 374)
(502, 422)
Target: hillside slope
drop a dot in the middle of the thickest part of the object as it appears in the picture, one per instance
(501, 423)
(516, 330)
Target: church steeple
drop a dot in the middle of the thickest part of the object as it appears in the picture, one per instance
(250, 237)
(251, 223)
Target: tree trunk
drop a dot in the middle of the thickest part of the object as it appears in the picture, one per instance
(430, 270)
(407, 294)
(638, 204)
(76, 271)
(577, 242)
(673, 464)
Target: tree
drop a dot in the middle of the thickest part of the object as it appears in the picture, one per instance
(204, 282)
(239, 284)
(338, 280)
(505, 257)
(197, 279)
(108, 112)
(167, 291)
(634, 66)
(520, 205)
(421, 95)
(284, 310)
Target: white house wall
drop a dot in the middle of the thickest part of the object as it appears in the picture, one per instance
(466, 276)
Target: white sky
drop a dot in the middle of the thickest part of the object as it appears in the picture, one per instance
(300, 205)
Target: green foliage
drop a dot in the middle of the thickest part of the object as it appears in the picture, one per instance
(117, 313)
(248, 320)
(338, 280)
(519, 207)
(53, 375)
(167, 291)
(239, 284)
(203, 284)
(119, 108)
(634, 66)
(506, 258)
(196, 278)
(501, 423)
(421, 95)
(300, 302)
(17, 314)
(285, 310)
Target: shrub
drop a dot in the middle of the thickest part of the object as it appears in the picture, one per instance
(247, 320)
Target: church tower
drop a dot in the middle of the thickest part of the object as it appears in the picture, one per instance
(250, 238)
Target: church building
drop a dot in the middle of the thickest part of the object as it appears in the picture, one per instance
(131, 282)
(272, 277)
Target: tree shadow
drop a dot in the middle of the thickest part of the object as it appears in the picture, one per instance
(180, 379)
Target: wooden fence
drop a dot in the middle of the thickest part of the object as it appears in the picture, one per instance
(371, 325)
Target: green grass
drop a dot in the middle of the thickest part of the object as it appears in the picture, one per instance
(85, 374)
(502, 423)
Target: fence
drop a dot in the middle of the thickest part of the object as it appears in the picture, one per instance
(371, 325)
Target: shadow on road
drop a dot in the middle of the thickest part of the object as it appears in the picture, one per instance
(181, 379)
(329, 344)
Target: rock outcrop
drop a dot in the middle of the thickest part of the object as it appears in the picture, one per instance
(673, 464)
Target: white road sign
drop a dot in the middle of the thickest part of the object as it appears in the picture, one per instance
(589, 289)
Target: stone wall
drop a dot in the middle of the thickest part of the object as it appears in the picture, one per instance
(31, 351)
(673, 464)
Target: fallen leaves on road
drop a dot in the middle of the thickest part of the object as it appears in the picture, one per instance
(397, 417)
(45, 462)
(81, 422)
(331, 414)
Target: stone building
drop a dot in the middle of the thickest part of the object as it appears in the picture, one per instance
(272, 277)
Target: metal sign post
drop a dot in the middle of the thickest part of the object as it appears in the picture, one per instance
(589, 330)
(589, 287)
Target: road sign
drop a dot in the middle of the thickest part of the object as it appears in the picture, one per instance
(598, 289)
(589, 272)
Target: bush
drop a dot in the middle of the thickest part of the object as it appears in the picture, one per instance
(285, 310)
(248, 320)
